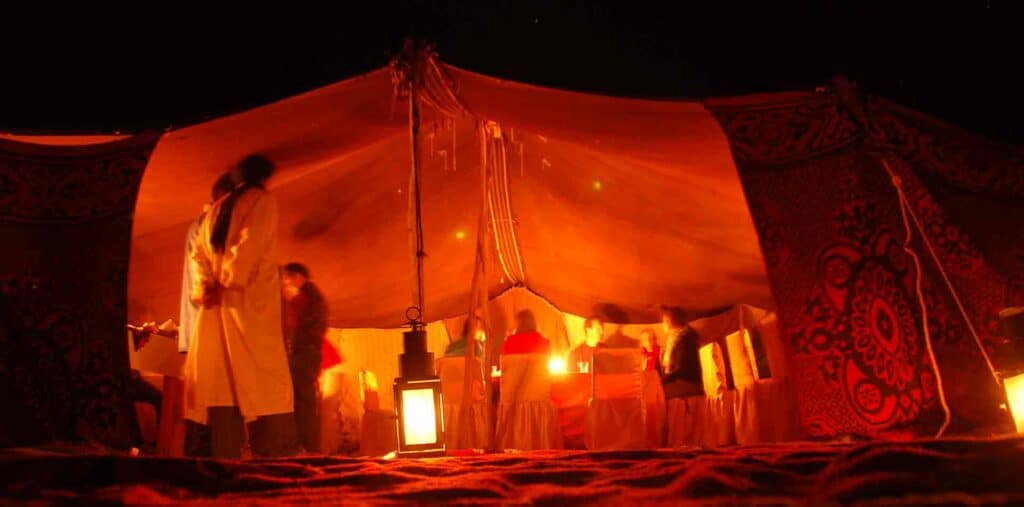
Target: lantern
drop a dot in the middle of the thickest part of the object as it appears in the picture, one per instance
(556, 365)
(1011, 326)
(1015, 398)
(418, 399)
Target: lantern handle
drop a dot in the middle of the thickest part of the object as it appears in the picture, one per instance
(413, 315)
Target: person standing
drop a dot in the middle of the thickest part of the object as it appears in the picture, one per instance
(237, 366)
(188, 308)
(305, 326)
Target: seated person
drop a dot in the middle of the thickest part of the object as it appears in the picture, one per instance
(650, 349)
(680, 362)
(457, 348)
(593, 332)
(526, 339)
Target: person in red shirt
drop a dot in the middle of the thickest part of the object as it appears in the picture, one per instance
(650, 350)
(526, 339)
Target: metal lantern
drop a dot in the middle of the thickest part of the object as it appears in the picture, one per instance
(418, 405)
(1011, 326)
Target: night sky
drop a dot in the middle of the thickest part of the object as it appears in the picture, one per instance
(74, 72)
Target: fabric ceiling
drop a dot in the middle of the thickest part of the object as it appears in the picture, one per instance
(621, 205)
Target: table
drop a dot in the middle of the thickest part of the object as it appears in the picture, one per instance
(571, 392)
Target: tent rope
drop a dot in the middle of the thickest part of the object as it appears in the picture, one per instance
(850, 96)
(918, 275)
(942, 270)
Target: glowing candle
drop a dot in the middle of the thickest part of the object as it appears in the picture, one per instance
(556, 365)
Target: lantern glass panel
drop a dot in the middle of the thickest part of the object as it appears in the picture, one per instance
(1015, 396)
(419, 417)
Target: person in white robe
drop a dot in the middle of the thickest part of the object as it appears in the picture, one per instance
(188, 308)
(237, 366)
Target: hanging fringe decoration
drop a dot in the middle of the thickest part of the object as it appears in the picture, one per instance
(506, 239)
(415, 70)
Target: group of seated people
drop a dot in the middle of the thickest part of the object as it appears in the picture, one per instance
(678, 363)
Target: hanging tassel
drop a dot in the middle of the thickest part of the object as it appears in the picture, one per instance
(455, 146)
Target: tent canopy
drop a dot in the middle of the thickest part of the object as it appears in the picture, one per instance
(620, 205)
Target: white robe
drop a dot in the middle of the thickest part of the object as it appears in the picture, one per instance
(188, 309)
(238, 355)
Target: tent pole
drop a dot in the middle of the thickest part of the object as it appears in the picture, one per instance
(414, 130)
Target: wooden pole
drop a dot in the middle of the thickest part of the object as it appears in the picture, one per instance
(418, 248)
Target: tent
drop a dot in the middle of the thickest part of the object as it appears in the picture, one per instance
(597, 204)
(616, 201)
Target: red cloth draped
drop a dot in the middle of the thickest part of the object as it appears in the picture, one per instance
(329, 356)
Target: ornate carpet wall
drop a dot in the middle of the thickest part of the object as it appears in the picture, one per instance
(65, 220)
(830, 223)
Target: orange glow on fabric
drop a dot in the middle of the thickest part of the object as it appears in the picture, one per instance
(1015, 395)
(418, 416)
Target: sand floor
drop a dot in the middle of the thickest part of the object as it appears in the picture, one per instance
(928, 472)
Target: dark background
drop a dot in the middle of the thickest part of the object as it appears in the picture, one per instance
(135, 69)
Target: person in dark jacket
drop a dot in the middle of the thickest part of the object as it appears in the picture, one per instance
(680, 361)
(305, 325)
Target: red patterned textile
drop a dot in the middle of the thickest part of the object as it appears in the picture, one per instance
(65, 216)
(830, 224)
(969, 194)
